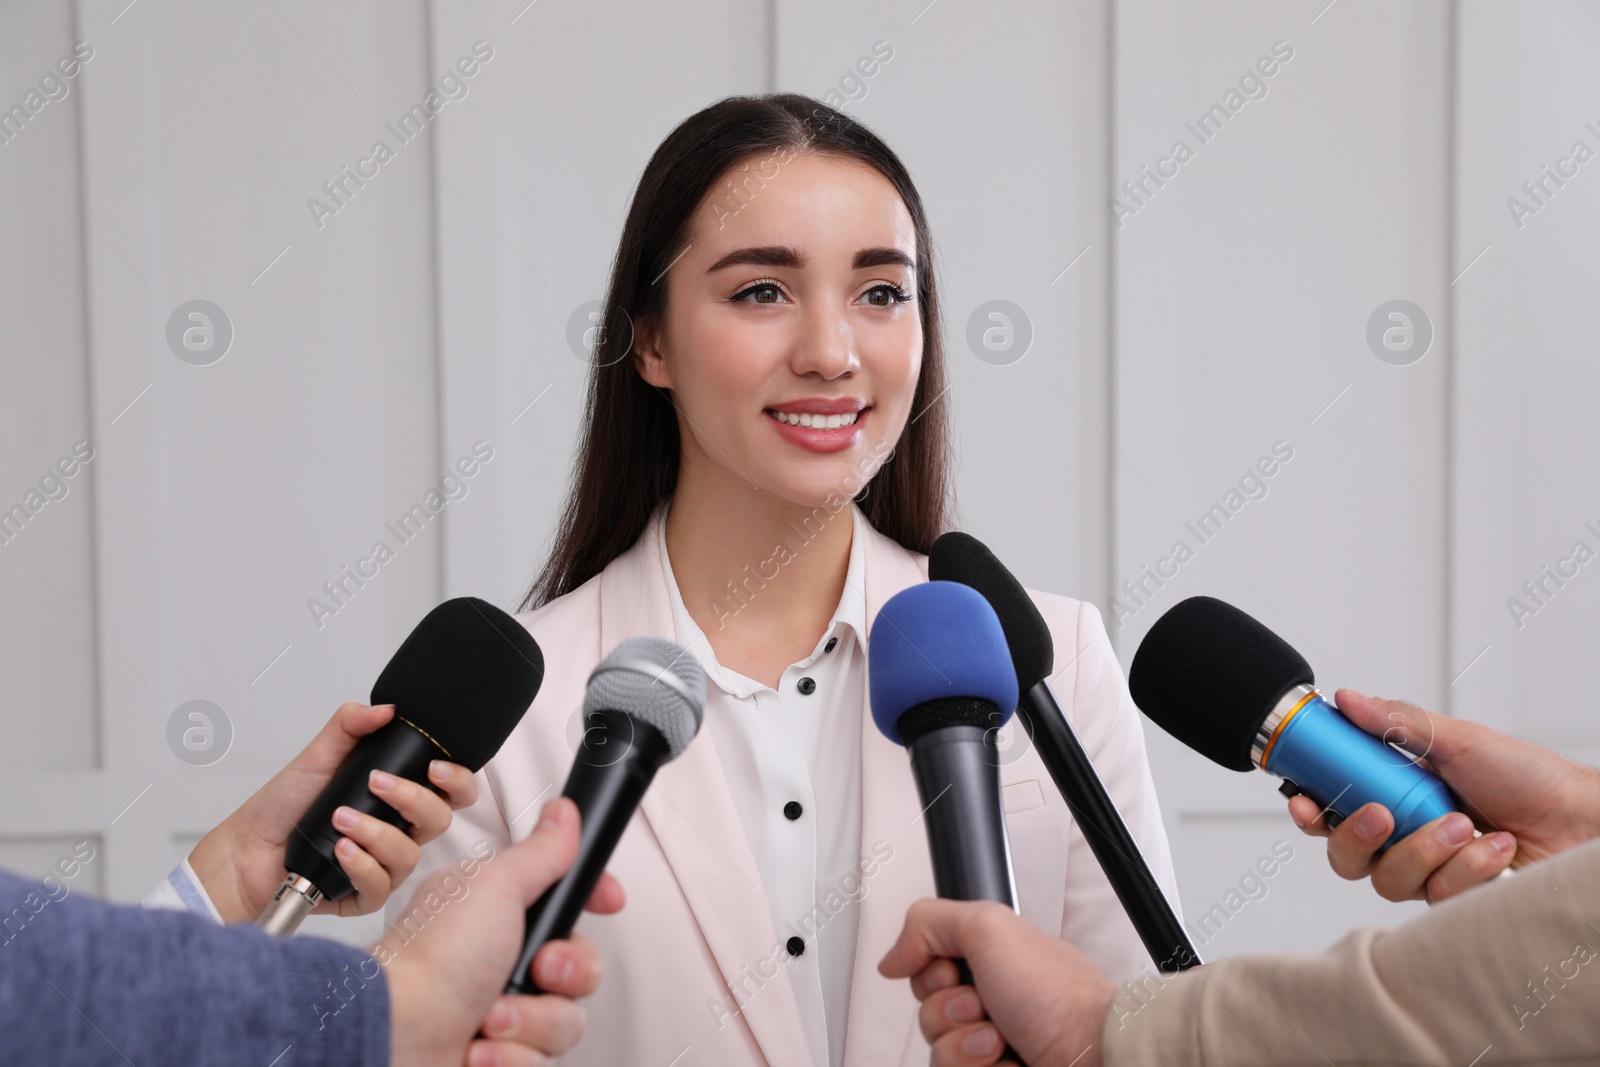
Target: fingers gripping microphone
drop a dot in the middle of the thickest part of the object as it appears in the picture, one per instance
(642, 708)
(963, 558)
(1234, 691)
(460, 683)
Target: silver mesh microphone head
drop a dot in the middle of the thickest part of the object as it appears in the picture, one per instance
(656, 682)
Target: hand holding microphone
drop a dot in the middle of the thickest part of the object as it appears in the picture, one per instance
(240, 862)
(459, 684)
(444, 980)
(1228, 687)
(1037, 992)
(1529, 802)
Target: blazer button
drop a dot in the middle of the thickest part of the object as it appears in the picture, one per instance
(795, 946)
(806, 687)
(829, 646)
(792, 810)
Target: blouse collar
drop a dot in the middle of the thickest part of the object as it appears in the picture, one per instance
(849, 614)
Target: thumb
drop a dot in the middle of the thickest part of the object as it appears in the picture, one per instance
(303, 777)
(547, 853)
(1417, 730)
(933, 929)
(340, 735)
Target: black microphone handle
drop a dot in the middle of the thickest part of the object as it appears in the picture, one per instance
(957, 769)
(399, 748)
(616, 763)
(1124, 865)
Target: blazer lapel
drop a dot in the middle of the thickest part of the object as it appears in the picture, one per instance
(891, 818)
(692, 815)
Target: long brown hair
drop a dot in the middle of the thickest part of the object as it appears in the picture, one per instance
(628, 462)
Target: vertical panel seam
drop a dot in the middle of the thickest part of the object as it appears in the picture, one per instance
(772, 46)
(435, 251)
(1449, 518)
(97, 689)
(1109, 355)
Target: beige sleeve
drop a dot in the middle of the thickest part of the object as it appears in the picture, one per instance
(1504, 974)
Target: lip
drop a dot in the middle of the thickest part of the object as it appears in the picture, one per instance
(815, 440)
(821, 405)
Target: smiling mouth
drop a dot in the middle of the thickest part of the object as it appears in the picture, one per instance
(815, 422)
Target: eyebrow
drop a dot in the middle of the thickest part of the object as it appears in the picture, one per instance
(786, 256)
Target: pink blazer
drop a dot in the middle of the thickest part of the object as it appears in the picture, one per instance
(690, 976)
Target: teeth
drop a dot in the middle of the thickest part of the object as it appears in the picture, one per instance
(816, 422)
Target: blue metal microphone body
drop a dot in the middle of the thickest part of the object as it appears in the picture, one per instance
(1238, 694)
(1305, 740)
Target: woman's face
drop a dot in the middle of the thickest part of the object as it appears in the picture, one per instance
(792, 338)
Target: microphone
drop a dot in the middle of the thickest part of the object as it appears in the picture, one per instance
(642, 707)
(1237, 693)
(941, 684)
(460, 683)
(963, 558)
(940, 680)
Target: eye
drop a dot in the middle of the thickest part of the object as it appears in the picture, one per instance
(886, 295)
(765, 292)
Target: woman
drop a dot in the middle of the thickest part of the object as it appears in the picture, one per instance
(763, 463)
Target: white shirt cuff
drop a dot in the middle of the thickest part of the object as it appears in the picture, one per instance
(182, 891)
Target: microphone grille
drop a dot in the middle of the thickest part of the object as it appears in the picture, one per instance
(656, 682)
(1209, 674)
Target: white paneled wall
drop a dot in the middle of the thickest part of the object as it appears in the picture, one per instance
(47, 654)
(1527, 379)
(1243, 289)
(220, 497)
(1176, 340)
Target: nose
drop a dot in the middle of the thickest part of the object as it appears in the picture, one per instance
(826, 347)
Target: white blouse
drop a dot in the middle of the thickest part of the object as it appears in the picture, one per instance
(792, 758)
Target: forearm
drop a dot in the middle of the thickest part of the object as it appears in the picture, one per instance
(216, 877)
(1499, 966)
(1262, 1010)
(84, 982)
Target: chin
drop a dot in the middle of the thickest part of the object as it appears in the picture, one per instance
(830, 485)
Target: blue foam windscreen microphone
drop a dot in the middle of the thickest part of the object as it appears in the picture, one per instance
(1234, 691)
(941, 683)
(940, 678)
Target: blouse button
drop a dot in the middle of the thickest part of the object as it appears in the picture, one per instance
(806, 687)
(829, 646)
(795, 946)
(792, 810)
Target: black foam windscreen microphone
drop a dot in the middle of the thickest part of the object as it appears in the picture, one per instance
(459, 684)
(1208, 674)
(960, 557)
(642, 707)
(1231, 689)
